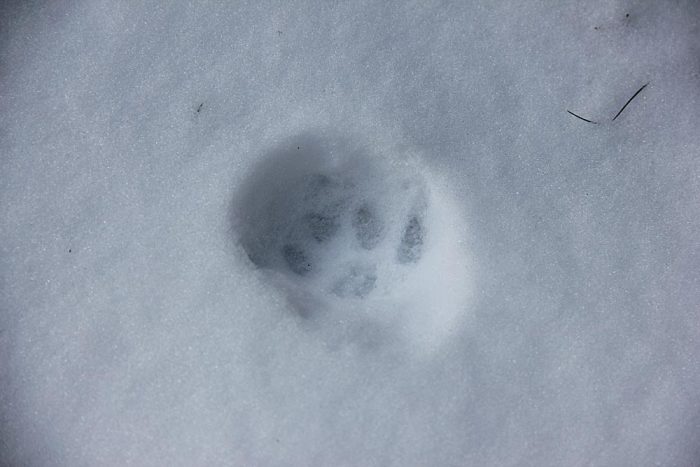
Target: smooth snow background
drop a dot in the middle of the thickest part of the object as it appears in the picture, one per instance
(135, 330)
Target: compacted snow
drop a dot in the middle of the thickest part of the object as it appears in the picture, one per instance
(349, 233)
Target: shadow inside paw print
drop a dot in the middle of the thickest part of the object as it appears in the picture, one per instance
(357, 282)
(411, 246)
(296, 259)
(368, 227)
(331, 218)
(321, 227)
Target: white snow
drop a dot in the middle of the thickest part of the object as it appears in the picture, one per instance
(477, 278)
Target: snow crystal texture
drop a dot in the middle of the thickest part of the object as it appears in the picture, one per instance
(314, 233)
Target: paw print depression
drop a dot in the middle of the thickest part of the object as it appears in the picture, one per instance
(354, 236)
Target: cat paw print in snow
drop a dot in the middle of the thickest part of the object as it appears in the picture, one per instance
(356, 237)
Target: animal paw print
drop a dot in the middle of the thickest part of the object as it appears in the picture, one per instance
(341, 234)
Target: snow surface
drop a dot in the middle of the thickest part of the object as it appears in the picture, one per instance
(349, 233)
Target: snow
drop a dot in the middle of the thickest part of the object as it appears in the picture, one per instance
(477, 278)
